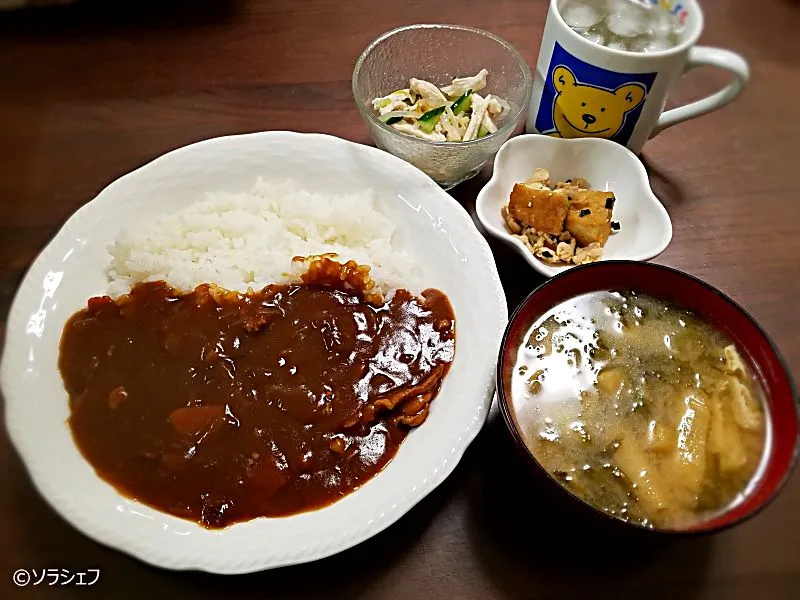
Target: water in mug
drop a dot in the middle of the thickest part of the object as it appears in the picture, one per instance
(632, 25)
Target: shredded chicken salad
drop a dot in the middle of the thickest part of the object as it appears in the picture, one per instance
(453, 113)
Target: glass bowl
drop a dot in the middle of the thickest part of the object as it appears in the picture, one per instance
(438, 53)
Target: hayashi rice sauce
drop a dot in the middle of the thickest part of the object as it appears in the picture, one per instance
(220, 407)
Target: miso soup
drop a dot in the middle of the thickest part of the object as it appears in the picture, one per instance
(640, 408)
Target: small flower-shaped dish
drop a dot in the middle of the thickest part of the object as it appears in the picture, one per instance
(645, 227)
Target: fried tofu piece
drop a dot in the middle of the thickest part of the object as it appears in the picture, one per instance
(542, 209)
(745, 408)
(654, 493)
(690, 461)
(610, 381)
(589, 216)
(724, 437)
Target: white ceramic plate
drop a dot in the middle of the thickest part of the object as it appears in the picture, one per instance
(453, 257)
(645, 227)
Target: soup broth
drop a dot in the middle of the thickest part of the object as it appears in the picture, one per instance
(639, 407)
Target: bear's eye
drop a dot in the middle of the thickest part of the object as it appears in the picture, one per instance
(603, 109)
(583, 103)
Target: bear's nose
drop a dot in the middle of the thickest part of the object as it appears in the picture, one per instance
(588, 119)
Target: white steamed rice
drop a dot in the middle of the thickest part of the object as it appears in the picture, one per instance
(248, 240)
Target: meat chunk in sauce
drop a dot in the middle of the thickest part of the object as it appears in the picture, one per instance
(221, 407)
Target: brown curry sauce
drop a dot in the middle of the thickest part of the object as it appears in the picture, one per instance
(221, 407)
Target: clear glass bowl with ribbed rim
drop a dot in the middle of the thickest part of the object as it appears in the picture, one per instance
(438, 53)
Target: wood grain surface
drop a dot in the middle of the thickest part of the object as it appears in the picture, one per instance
(91, 91)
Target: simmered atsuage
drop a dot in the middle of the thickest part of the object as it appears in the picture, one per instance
(220, 407)
(639, 407)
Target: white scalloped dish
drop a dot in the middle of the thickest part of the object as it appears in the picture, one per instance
(645, 227)
(71, 269)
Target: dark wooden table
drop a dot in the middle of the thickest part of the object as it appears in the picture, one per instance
(90, 92)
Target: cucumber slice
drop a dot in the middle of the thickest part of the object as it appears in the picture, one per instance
(428, 121)
(463, 103)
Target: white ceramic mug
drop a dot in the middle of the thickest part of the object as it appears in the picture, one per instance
(623, 92)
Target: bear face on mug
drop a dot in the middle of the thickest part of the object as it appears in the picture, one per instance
(581, 110)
